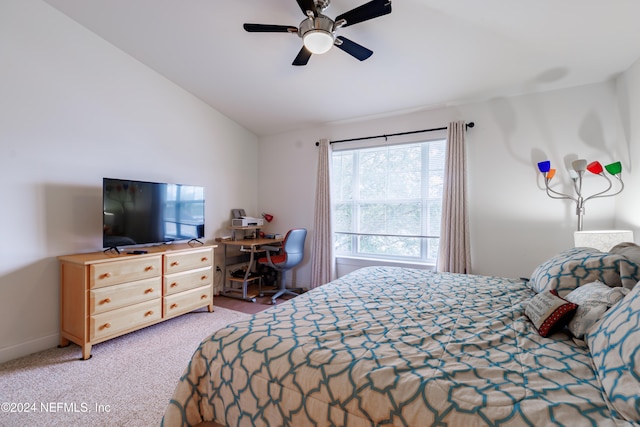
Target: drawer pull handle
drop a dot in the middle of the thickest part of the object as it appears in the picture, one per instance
(175, 263)
(203, 278)
(148, 268)
(148, 291)
(148, 313)
(174, 306)
(105, 326)
(105, 301)
(204, 259)
(173, 285)
(204, 297)
(105, 275)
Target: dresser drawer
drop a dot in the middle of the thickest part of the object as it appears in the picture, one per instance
(182, 261)
(113, 273)
(124, 319)
(180, 282)
(186, 301)
(116, 296)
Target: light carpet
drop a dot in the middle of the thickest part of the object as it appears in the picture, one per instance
(128, 381)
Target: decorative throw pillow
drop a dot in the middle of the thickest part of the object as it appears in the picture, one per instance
(548, 312)
(577, 266)
(614, 343)
(593, 299)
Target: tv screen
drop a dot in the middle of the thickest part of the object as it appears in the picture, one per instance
(140, 213)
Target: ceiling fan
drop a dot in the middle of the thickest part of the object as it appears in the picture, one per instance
(318, 32)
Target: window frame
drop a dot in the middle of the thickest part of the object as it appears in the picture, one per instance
(425, 237)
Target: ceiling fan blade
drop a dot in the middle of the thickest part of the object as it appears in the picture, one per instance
(370, 10)
(354, 49)
(265, 28)
(307, 5)
(303, 57)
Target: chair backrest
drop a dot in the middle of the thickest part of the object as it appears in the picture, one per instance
(293, 246)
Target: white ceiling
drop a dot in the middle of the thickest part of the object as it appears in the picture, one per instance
(427, 53)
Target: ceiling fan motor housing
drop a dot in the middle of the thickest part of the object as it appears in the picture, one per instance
(318, 34)
(319, 23)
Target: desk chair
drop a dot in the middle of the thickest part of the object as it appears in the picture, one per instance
(285, 258)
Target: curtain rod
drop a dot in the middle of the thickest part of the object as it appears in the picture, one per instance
(467, 126)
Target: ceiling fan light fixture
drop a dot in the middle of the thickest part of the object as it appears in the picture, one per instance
(317, 34)
(318, 41)
(318, 31)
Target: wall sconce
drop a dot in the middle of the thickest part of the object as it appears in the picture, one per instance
(576, 173)
(267, 216)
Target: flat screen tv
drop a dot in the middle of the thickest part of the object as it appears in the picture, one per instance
(143, 213)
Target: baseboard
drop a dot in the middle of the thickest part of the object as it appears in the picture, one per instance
(29, 347)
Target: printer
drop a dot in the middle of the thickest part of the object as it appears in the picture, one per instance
(247, 221)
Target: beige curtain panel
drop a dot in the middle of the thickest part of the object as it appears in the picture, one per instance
(323, 264)
(454, 254)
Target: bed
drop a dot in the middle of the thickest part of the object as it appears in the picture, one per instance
(407, 347)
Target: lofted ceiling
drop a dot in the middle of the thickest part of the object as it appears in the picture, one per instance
(427, 53)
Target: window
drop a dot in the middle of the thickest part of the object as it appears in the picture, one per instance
(388, 201)
(184, 211)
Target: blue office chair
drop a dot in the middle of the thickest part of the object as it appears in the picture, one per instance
(283, 259)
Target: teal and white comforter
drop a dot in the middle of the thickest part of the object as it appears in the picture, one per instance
(390, 346)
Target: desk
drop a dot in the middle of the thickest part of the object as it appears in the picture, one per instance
(252, 247)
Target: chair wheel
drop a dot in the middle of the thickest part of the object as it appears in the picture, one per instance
(273, 302)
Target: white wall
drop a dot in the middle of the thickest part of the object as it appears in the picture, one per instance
(514, 225)
(628, 203)
(74, 109)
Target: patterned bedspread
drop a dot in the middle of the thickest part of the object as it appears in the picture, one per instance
(392, 346)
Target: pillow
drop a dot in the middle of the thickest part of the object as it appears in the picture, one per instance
(593, 299)
(629, 250)
(614, 343)
(548, 312)
(577, 266)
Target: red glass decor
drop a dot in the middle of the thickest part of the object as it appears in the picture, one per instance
(595, 167)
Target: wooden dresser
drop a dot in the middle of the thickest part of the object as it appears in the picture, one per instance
(107, 295)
